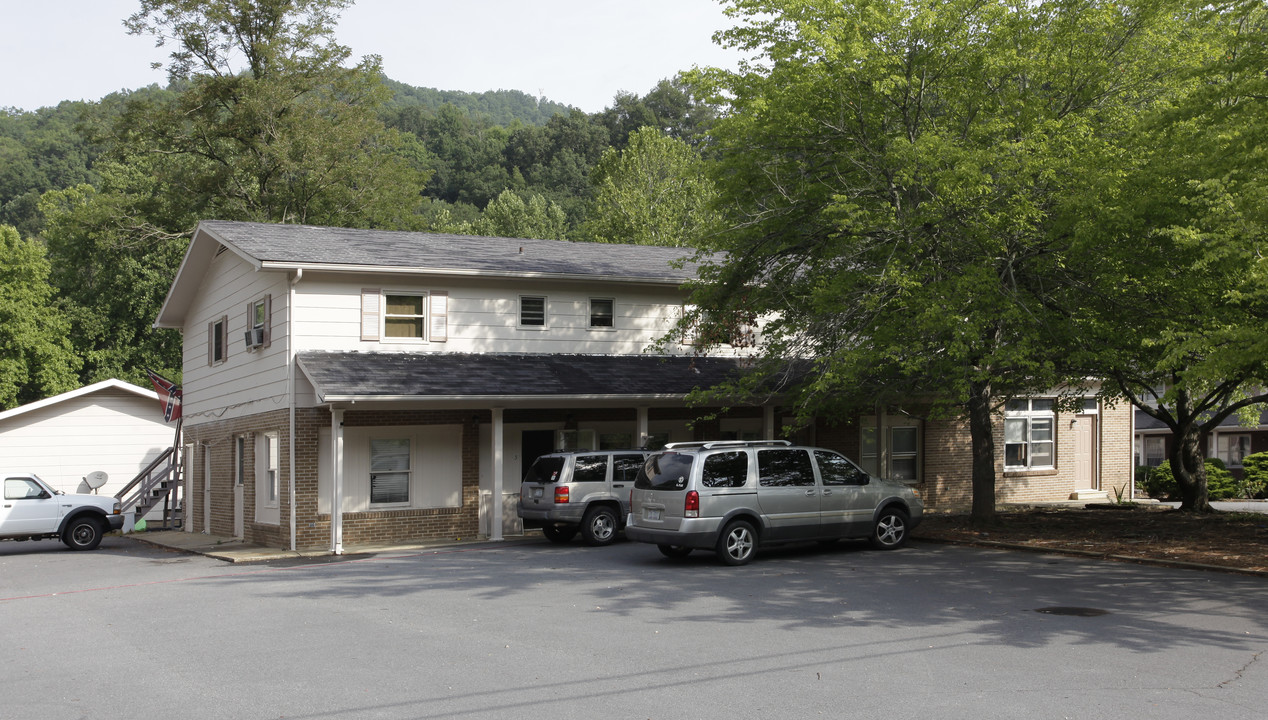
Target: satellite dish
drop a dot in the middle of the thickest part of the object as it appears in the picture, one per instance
(96, 479)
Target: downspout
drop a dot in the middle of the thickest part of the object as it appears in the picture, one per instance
(290, 382)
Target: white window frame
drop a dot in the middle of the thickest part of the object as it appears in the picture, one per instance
(519, 314)
(270, 461)
(611, 314)
(1224, 448)
(1030, 414)
(259, 322)
(423, 318)
(410, 445)
(1157, 441)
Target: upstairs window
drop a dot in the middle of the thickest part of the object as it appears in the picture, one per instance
(404, 316)
(602, 313)
(532, 311)
(1030, 434)
(218, 340)
(259, 323)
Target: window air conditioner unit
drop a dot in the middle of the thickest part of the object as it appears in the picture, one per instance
(255, 337)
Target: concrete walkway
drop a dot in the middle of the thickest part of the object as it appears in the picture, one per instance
(235, 551)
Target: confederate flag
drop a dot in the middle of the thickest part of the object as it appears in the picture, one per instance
(169, 395)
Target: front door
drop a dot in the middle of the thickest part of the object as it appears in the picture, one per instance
(1085, 452)
(239, 483)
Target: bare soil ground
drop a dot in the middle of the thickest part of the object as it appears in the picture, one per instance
(1232, 540)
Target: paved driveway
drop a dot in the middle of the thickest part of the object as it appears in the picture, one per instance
(531, 630)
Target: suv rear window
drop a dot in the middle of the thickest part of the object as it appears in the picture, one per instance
(545, 470)
(665, 471)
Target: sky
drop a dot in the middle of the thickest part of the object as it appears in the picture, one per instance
(576, 52)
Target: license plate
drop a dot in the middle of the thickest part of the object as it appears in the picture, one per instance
(653, 514)
(537, 492)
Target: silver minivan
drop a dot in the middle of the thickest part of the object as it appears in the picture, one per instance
(581, 490)
(734, 496)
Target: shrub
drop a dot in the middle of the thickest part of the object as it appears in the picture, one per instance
(1160, 484)
(1255, 481)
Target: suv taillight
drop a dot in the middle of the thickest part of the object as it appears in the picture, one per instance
(561, 495)
(691, 505)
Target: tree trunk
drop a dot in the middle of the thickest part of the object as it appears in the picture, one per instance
(982, 434)
(1189, 469)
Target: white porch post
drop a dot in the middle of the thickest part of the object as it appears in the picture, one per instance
(640, 428)
(336, 484)
(768, 422)
(495, 522)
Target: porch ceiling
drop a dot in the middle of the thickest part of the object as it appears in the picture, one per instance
(509, 380)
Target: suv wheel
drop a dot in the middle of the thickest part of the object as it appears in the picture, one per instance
(559, 533)
(83, 533)
(738, 543)
(599, 526)
(891, 529)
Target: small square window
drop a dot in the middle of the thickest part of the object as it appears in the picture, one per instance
(532, 311)
(404, 316)
(601, 312)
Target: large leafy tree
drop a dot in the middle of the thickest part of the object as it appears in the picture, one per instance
(891, 172)
(36, 358)
(1178, 232)
(654, 192)
(269, 124)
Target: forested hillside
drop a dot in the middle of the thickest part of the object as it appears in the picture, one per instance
(276, 125)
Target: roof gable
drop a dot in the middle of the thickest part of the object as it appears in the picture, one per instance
(86, 390)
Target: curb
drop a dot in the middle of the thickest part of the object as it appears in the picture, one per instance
(1092, 554)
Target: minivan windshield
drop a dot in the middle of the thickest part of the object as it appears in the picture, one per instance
(545, 470)
(665, 471)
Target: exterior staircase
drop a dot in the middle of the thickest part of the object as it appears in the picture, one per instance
(159, 483)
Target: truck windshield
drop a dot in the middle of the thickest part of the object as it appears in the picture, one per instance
(545, 470)
(665, 471)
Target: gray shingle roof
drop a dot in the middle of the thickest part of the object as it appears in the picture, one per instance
(306, 245)
(351, 375)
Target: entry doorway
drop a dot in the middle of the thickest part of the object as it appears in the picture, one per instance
(239, 483)
(1084, 427)
(534, 444)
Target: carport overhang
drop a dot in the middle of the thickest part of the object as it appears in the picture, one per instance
(354, 381)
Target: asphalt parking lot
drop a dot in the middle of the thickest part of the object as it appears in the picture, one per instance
(527, 629)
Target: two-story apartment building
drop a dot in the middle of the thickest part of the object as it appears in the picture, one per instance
(359, 386)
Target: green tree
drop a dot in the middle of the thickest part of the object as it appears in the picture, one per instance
(269, 126)
(510, 216)
(1177, 230)
(891, 174)
(654, 192)
(36, 358)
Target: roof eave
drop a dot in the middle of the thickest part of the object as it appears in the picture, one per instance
(458, 272)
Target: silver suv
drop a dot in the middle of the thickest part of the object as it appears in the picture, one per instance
(734, 496)
(585, 490)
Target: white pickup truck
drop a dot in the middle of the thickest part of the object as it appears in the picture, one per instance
(32, 510)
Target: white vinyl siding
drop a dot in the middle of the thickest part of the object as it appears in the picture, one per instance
(245, 383)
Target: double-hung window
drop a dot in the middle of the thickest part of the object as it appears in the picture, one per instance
(1232, 449)
(389, 471)
(404, 316)
(1155, 450)
(1030, 434)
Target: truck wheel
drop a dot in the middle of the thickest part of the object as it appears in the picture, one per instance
(83, 533)
(599, 526)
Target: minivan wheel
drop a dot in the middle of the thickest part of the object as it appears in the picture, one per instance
(559, 533)
(738, 543)
(891, 530)
(674, 551)
(599, 526)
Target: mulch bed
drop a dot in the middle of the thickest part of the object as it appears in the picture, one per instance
(1232, 540)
